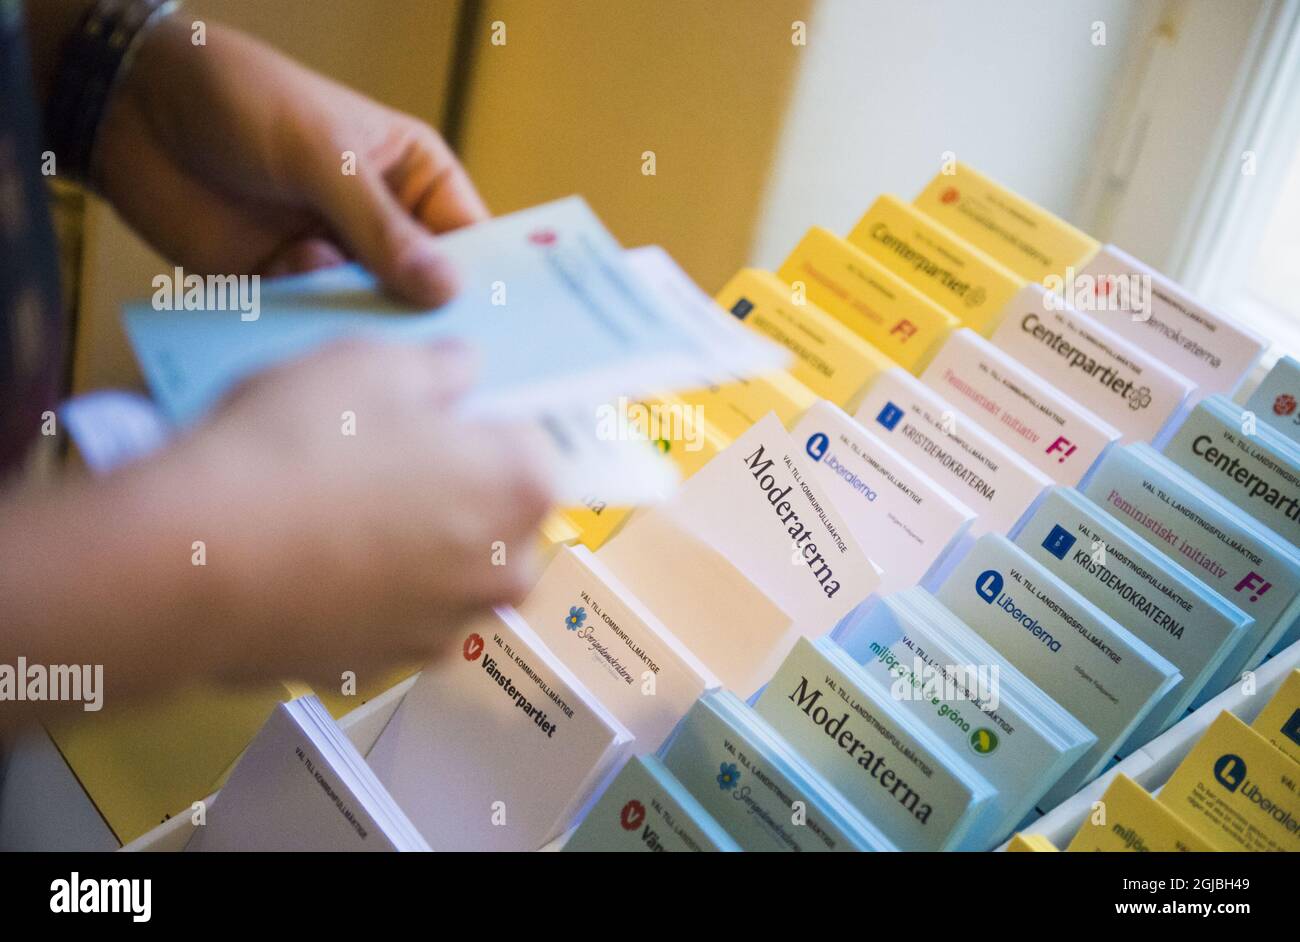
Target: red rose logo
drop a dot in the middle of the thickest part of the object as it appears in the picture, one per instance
(1284, 404)
(950, 196)
(473, 647)
(543, 237)
(632, 815)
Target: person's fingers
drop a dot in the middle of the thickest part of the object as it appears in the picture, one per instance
(386, 238)
(436, 188)
(303, 255)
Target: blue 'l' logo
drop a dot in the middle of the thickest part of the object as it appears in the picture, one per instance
(989, 585)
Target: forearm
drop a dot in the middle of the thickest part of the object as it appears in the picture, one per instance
(102, 572)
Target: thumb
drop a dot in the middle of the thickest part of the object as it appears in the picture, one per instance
(387, 239)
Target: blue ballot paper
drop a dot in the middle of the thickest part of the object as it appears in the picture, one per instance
(920, 791)
(555, 311)
(1244, 561)
(1080, 656)
(1277, 399)
(932, 664)
(645, 809)
(1134, 583)
(1250, 463)
(756, 786)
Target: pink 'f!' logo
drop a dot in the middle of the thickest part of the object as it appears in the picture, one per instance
(1063, 446)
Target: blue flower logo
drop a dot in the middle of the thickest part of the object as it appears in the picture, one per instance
(728, 776)
(576, 617)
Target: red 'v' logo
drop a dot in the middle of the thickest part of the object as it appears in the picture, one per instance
(632, 815)
(473, 647)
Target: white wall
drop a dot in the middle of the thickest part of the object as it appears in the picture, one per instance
(1015, 88)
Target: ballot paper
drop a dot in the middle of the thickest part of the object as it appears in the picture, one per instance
(1155, 313)
(1275, 399)
(1254, 467)
(1113, 377)
(1246, 563)
(302, 786)
(781, 557)
(920, 791)
(757, 787)
(976, 468)
(904, 521)
(497, 746)
(1055, 433)
(561, 322)
(113, 427)
(1159, 601)
(547, 299)
(1079, 656)
(731, 624)
(936, 666)
(646, 810)
(615, 645)
(1021, 235)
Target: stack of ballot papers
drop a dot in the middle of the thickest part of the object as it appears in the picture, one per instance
(1080, 657)
(932, 664)
(1276, 398)
(1121, 383)
(1144, 306)
(1249, 463)
(1056, 434)
(747, 555)
(1126, 577)
(615, 645)
(975, 467)
(302, 786)
(904, 520)
(561, 321)
(497, 746)
(921, 792)
(757, 787)
(1245, 562)
(645, 809)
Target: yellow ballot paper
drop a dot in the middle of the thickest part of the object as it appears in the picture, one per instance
(1030, 843)
(1237, 790)
(1130, 820)
(1279, 721)
(831, 360)
(864, 296)
(937, 262)
(1021, 235)
(732, 408)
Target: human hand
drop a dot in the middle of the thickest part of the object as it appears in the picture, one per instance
(229, 158)
(330, 551)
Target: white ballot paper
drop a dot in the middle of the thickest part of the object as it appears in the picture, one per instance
(497, 746)
(302, 786)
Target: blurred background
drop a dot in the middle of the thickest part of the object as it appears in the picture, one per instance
(1169, 128)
